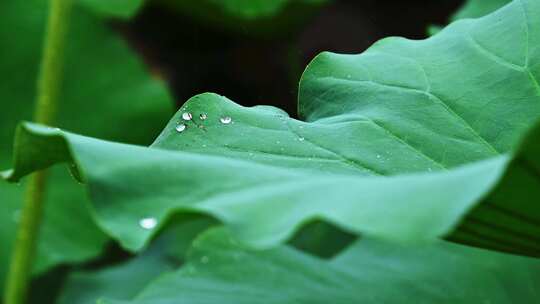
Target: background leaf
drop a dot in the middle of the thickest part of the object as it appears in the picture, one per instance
(370, 271)
(107, 94)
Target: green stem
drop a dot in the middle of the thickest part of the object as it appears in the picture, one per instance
(48, 88)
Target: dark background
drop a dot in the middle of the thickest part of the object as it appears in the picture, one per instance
(194, 57)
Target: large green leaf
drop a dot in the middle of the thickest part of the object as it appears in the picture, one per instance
(413, 110)
(107, 94)
(264, 204)
(370, 271)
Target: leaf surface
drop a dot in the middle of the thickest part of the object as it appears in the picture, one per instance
(265, 204)
(388, 137)
(370, 271)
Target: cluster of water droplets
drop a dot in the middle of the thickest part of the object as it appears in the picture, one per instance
(187, 116)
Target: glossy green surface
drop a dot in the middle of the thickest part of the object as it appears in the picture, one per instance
(435, 115)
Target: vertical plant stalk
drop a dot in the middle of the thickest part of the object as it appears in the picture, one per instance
(48, 87)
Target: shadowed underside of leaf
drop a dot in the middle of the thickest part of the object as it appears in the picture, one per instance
(416, 111)
(126, 280)
(369, 271)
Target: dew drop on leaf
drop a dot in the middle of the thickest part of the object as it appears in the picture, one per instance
(225, 120)
(148, 223)
(301, 138)
(180, 128)
(187, 116)
(203, 116)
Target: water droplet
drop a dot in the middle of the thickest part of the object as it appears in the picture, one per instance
(301, 139)
(203, 116)
(349, 76)
(187, 116)
(278, 142)
(204, 146)
(181, 128)
(226, 120)
(148, 223)
(378, 156)
(204, 259)
(251, 154)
